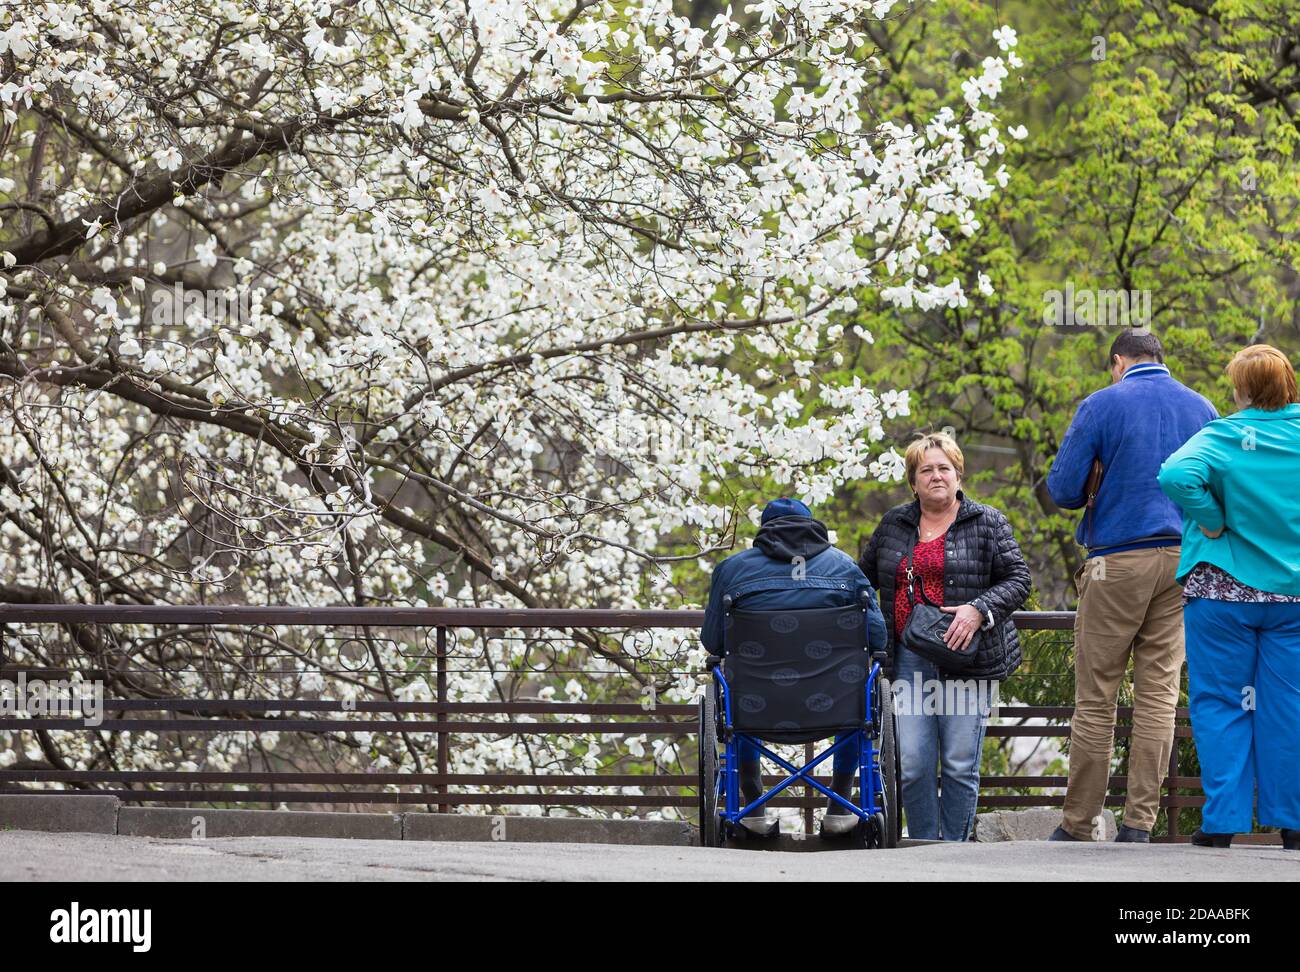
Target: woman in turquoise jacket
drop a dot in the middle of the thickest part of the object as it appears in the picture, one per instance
(1238, 483)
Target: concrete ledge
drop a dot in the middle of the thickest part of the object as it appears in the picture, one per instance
(105, 815)
(556, 830)
(1033, 824)
(811, 843)
(66, 814)
(182, 822)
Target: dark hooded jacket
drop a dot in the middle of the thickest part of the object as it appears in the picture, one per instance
(792, 566)
(982, 566)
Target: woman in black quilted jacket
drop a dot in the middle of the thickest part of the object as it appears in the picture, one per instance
(966, 558)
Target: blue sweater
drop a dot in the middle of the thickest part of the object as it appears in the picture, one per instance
(1132, 426)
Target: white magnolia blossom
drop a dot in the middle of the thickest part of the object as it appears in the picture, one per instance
(444, 304)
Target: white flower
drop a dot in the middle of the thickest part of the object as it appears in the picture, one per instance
(1006, 37)
(207, 252)
(154, 360)
(359, 197)
(169, 158)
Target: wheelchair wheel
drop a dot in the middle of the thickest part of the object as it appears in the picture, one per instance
(892, 785)
(863, 835)
(707, 737)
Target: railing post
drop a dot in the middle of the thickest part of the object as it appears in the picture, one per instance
(444, 737)
(1171, 811)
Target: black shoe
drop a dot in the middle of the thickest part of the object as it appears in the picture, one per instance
(838, 820)
(1131, 835)
(1202, 839)
(1060, 833)
(1291, 839)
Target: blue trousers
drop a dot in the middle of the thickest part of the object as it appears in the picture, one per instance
(945, 743)
(845, 760)
(1243, 672)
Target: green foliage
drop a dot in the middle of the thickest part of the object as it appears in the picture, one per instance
(1165, 166)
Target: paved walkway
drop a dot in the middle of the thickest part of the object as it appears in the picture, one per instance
(26, 855)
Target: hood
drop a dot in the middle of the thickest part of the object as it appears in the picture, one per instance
(787, 537)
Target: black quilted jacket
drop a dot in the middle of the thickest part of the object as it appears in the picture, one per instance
(982, 566)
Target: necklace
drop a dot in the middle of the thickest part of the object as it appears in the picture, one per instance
(928, 535)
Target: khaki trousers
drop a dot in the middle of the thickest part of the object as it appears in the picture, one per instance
(1129, 603)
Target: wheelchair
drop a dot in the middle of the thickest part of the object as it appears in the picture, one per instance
(794, 677)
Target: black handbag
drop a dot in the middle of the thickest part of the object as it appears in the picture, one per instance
(927, 625)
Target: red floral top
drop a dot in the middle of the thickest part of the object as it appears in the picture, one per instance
(927, 564)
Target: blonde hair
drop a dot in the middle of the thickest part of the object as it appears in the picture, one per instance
(919, 446)
(1263, 374)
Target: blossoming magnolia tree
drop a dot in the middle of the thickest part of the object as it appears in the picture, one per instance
(430, 303)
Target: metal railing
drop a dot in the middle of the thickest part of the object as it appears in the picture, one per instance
(441, 718)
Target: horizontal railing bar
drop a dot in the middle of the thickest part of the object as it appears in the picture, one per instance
(1066, 711)
(488, 728)
(1046, 732)
(402, 616)
(517, 706)
(519, 799)
(473, 779)
(1116, 782)
(1058, 800)
(337, 796)
(368, 779)
(339, 705)
(347, 725)
(245, 614)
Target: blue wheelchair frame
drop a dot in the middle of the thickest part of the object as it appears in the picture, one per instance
(869, 776)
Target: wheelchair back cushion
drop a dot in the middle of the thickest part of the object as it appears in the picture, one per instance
(795, 676)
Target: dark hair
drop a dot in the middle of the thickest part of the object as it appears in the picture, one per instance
(1136, 344)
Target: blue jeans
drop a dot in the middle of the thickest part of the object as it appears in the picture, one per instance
(941, 737)
(845, 760)
(1243, 680)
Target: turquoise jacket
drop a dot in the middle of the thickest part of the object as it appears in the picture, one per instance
(1241, 472)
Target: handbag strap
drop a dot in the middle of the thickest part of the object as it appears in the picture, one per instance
(911, 578)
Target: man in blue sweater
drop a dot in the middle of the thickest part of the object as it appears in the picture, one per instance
(1129, 599)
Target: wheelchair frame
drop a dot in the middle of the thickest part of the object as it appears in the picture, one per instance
(879, 822)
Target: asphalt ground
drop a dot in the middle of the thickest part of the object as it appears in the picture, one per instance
(31, 856)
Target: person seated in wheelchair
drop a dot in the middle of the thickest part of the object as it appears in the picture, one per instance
(791, 566)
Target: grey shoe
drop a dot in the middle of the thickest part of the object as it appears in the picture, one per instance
(1131, 835)
(839, 824)
(760, 823)
(838, 821)
(765, 825)
(1060, 833)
